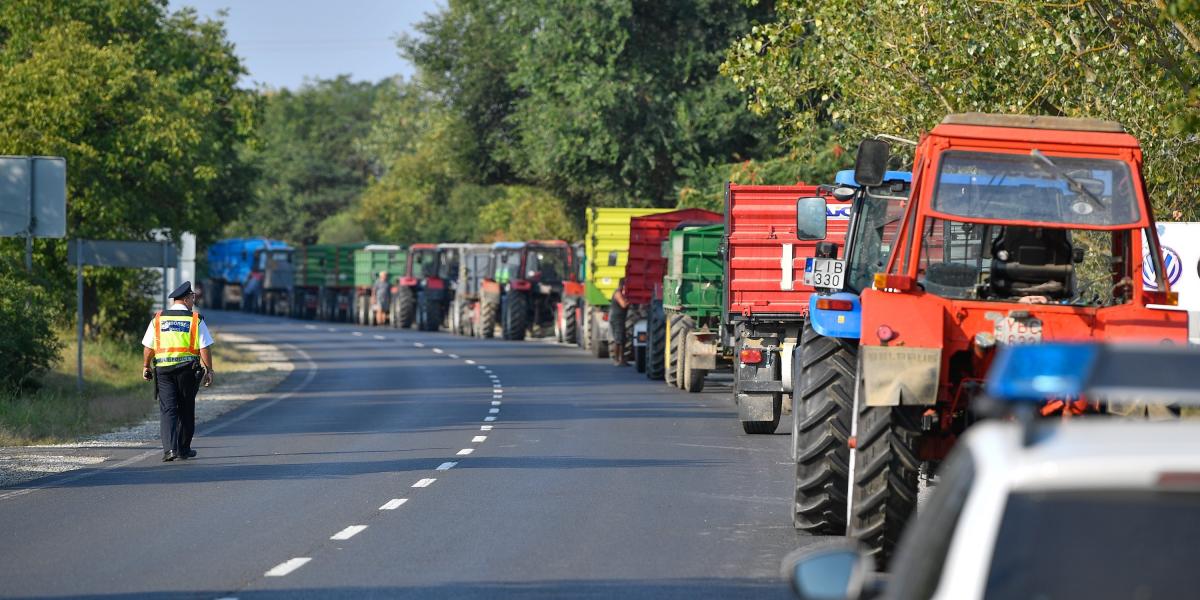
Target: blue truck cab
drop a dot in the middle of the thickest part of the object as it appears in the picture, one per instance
(873, 215)
(249, 273)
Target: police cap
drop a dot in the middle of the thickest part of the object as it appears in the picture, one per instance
(184, 289)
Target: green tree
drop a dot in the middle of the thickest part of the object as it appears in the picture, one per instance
(144, 106)
(899, 66)
(311, 157)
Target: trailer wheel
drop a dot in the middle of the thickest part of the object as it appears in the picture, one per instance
(671, 364)
(516, 316)
(489, 314)
(570, 328)
(693, 379)
(656, 341)
(680, 328)
(595, 341)
(406, 308)
(822, 410)
(885, 477)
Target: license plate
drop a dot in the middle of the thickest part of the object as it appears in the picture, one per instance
(1018, 331)
(824, 272)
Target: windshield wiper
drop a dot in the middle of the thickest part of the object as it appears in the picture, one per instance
(1071, 182)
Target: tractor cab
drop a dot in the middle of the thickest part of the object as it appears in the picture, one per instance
(420, 273)
(529, 283)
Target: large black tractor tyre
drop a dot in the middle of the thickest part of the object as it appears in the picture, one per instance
(671, 365)
(406, 308)
(656, 342)
(429, 313)
(886, 470)
(570, 324)
(516, 316)
(489, 315)
(822, 411)
(616, 327)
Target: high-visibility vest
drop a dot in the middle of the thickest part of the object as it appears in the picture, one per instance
(176, 337)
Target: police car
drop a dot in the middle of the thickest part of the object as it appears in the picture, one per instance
(1094, 508)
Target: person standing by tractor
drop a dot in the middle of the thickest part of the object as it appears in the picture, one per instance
(177, 344)
(381, 298)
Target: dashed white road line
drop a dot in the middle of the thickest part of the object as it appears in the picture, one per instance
(379, 337)
(495, 403)
(287, 566)
(438, 351)
(356, 333)
(489, 419)
(331, 330)
(498, 396)
(348, 532)
(465, 451)
(393, 504)
(310, 326)
(424, 483)
(452, 355)
(483, 368)
(418, 344)
(493, 411)
(481, 438)
(446, 466)
(485, 428)
(470, 362)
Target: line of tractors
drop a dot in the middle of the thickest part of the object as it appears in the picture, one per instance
(868, 309)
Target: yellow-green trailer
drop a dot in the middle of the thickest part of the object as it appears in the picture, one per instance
(607, 247)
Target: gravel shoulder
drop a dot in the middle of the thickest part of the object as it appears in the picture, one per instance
(236, 384)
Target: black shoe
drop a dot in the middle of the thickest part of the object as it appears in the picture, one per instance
(189, 453)
(169, 456)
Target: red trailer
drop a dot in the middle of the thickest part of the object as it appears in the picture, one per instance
(766, 299)
(636, 316)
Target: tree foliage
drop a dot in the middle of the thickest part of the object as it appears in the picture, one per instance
(899, 66)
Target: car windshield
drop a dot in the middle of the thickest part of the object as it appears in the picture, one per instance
(1032, 265)
(1096, 544)
(875, 229)
(1046, 189)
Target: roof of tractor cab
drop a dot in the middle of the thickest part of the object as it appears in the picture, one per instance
(548, 243)
(1035, 129)
(423, 247)
(508, 245)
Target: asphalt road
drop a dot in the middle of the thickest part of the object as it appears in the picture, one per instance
(590, 481)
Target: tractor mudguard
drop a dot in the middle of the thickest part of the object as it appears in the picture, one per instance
(756, 407)
(836, 323)
(896, 375)
(702, 349)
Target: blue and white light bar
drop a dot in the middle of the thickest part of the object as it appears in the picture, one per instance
(846, 177)
(1123, 373)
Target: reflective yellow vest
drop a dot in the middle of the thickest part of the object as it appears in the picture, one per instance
(176, 334)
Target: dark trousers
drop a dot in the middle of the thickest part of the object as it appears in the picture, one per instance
(177, 389)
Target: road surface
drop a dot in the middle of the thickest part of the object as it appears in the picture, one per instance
(405, 464)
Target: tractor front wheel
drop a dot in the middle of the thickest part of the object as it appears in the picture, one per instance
(886, 470)
(516, 316)
(656, 341)
(406, 308)
(570, 327)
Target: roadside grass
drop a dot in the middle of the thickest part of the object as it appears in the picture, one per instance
(114, 393)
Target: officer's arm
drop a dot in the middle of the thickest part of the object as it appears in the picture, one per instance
(206, 359)
(147, 358)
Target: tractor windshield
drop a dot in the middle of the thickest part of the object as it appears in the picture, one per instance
(547, 265)
(424, 263)
(508, 265)
(1036, 187)
(875, 227)
(1031, 265)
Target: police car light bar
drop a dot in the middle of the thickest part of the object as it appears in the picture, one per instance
(1121, 373)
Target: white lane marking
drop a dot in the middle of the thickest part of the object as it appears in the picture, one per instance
(438, 351)
(424, 483)
(485, 428)
(493, 376)
(494, 411)
(418, 344)
(348, 532)
(287, 566)
(483, 368)
(465, 451)
(379, 337)
(446, 466)
(481, 438)
(331, 330)
(452, 355)
(228, 598)
(393, 504)
(489, 419)
(310, 326)
(498, 396)
(358, 333)
(495, 403)
(497, 386)
(470, 362)
(487, 370)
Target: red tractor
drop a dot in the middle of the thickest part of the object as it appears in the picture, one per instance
(527, 288)
(1019, 229)
(420, 274)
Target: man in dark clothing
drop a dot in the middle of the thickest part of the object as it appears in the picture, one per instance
(381, 298)
(177, 341)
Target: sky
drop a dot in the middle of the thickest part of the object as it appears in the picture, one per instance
(282, 42)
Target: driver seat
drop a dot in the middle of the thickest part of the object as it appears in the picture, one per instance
(1032, 261)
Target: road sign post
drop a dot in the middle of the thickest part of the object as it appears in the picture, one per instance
(111, 253)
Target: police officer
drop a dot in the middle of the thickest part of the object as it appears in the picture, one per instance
(177, 342)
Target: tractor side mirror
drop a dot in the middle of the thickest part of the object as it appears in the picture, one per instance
(870, 165)
(810, 218)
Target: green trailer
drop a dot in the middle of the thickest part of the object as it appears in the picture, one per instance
(369, 261)
(606, 248)
(693, 302)
(324, 281)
